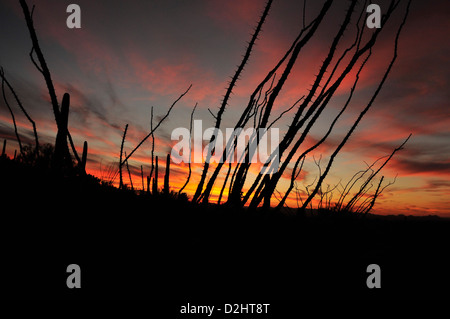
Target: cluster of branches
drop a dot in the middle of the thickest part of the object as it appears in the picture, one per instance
(308, 108)
(62, 159)
(22, 108)
(359, 201)
(123, 159)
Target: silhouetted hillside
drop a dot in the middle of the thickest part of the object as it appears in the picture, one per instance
(130, 245)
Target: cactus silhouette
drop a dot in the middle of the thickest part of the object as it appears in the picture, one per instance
(155, 179)
(166, 177)
(84, 158)
(62, 156)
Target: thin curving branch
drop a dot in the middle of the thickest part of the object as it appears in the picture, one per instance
(19, 103)
(157, 125)
(12, 115)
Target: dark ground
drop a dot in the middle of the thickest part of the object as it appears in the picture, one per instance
(131, 246)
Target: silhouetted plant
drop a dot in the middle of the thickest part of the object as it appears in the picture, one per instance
(360, 202)
(109, 173)
(42, 160)
(167, 175)
(149, 177)
(354, 199)
(129, 174)
(309, 109)
(174, 196)
(122, 161)
(155, 179)
(157, 125)
(142, 177)
(62, 156)
(84, 158)
(120, 157)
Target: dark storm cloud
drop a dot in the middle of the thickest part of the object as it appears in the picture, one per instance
(411, 166)
(439, 183)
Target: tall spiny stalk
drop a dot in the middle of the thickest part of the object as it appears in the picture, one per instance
(142, 179)
(251, 110)
(155, 179)
(237, 188)
(167, 176)
(62, 156)
(61, 148)
(357, 121)
(226, 98)
(120, 159)
(295, 173)
(43, 68)
(129, 174)
(84, 158)
(149, 177)
(316, 109)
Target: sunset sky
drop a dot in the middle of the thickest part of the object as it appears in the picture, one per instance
(131, 55)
